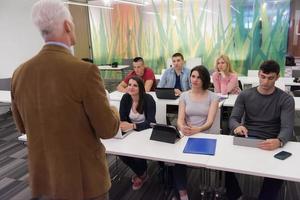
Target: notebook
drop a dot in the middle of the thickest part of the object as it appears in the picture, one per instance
(200, 146)
(165, 93)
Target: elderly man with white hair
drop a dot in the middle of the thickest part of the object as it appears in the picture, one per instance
(60, 102)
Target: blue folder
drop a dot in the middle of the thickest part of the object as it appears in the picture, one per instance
(200, 146)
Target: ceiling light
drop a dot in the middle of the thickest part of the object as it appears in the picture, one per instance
(131, 2)
(87, 5)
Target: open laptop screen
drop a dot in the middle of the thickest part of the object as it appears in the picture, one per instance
(165, 93)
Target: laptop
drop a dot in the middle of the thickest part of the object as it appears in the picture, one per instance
(120, 134)
(165, 93)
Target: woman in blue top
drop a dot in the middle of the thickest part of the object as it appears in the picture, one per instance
(137, 111)
(177, 77)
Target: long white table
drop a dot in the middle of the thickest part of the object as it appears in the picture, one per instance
(5, 96)
(248, 80)
(254, 161)
(228, 157)
(229, 102)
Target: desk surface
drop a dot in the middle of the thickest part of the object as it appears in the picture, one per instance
(229, 102)
(254, 161)
(228, 157)
(287, 81)
(108, 67)
(5, 96)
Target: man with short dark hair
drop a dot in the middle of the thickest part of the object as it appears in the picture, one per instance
(269, 115)
(177, 76)
(144, 72)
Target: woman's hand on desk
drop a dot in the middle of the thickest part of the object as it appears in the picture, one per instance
(190, 130)
(126, 126)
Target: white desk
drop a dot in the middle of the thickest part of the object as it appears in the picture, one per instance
(138, 144)
(229, 102)
(254, 161)
(5, 96)
(287, 81)
(228, 157)
(110, 68)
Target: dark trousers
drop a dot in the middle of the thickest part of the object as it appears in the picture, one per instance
(137, 165)
(269, 190)
(180, 176)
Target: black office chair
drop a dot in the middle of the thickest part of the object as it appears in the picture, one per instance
(5, 84)
(240, 85)
(296, 93)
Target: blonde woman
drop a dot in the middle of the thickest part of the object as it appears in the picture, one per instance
(224, 78)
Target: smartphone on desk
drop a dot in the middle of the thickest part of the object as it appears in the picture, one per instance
(282, 155)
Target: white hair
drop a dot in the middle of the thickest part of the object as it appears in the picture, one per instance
(49, 17)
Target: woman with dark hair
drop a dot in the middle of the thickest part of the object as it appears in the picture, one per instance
(197, 111)
(137, 111)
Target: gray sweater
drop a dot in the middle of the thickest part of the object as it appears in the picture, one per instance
(266, 116)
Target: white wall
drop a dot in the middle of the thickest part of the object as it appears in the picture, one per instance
(19, 39)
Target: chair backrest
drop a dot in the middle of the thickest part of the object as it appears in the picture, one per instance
(296, 73)
(168, 64)
(5, 84)
(192, 62)
(296, 93)
(252, 73)
(240, 85)
(280, 85)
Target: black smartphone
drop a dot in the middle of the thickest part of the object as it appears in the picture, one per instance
(282, 155)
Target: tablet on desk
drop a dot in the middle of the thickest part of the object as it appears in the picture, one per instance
(246, 141)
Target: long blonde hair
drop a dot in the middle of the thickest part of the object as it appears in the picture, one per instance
(227, 61)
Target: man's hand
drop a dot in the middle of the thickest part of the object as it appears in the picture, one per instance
(241, 130)
(177, 92)
(125, 126)
(270, 144)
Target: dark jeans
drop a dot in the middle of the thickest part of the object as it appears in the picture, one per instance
(269, 190)
(137, 165)
(180, 176)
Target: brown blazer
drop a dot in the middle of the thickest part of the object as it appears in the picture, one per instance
(60, 103)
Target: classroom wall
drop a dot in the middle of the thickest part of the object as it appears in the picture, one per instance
(249, 32)
(19, 39)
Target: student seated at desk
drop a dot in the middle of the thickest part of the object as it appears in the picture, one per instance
(177, 76)
(224, 78)
(269, 115)
(142, 71)
(197, 111)
(137, 111)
